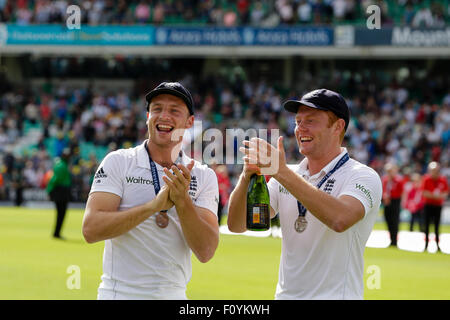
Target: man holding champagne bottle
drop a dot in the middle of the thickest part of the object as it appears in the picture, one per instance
(327, 203)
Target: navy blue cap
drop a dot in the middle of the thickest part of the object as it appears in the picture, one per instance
(322, 99)
(175, 89)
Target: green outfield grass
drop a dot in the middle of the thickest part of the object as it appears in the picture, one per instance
(34, 266)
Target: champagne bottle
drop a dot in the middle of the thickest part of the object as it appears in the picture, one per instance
(258, 204)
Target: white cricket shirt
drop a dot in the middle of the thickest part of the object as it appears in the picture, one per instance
(148, 262)
(321, 263)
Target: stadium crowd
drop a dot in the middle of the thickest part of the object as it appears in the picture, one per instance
(263, 13)
(404, 122)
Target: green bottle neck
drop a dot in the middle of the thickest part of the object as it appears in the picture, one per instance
(260, 179)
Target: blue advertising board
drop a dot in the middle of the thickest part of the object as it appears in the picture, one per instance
(11, 34)
(375, 37)
(244, 36)
(148, 35)
(403, 37)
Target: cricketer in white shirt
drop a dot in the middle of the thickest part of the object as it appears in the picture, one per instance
(324, 236)
(320, 263)
(148, 262)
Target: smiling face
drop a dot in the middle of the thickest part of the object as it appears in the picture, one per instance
(168, 117)
(316, 135)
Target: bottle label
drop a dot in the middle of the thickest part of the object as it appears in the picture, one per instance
(256, 215)
(259, 214)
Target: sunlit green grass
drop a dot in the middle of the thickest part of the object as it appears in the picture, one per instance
(34, 266)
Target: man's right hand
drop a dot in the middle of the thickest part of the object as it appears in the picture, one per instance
(162, 200)
(249, 170)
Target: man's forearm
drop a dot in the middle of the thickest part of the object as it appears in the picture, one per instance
(431, 195)
(329, 210)
(199, 229)
(238, 206)
(102, 225)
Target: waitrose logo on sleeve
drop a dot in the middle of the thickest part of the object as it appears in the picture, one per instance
(366, 193)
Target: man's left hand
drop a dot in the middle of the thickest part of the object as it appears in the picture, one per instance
(178, 182)
(262, 154)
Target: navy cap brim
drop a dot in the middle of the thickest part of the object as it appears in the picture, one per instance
(292, 105)
(176, 93)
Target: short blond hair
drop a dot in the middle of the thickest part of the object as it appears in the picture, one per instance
(332, 118)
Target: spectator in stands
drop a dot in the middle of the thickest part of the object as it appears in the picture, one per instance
(142, 12)
(257, 13)
(6, 11)
(31, 112)
(409, 13)
(339, 9)
(42, 11)
(243, 8)
(304, 12)
(60, 144)
(23, 14)
(230, 18)
(158, 13)
(285, 10)
(435, 192)
(350, 10)
(322, 12)
(423, 18)
(437, 12)
(57, 11)
(121, 13)
(44, 108)
(3, 139)
(31, 175)
(392, 193)
(95, 13)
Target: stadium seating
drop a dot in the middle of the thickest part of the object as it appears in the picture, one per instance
(403, 119)
(212, 12)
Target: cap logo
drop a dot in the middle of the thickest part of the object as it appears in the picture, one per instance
(171, 85)
(311, 94)
(173, 88)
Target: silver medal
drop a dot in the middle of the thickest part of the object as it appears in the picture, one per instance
(300, 224)
(162, 219)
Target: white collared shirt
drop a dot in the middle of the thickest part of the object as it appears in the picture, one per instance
(148, 262)
(321, 263)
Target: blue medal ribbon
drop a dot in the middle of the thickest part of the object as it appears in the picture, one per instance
(301, 209)
(155, 176)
